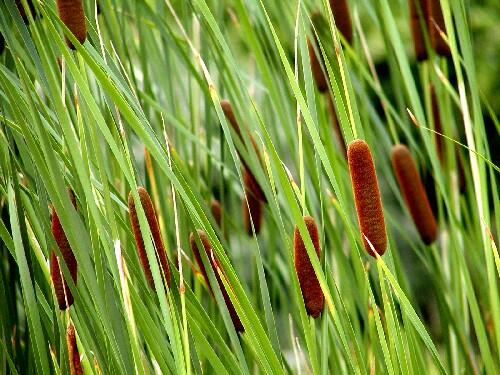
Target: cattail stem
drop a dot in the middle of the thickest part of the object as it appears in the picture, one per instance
(61, 288)
(312, 294)
(238, 326)
(150, 214)
(73, 16)
(336, 126)
(414, 193)
(437, 124)
(75, 365)
(367, 197)
(342, 16)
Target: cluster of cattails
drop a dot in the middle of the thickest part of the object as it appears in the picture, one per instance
(72, 15)
(61, 288)
(433, 20)
(75, 365)
(367, 197)
(149, 211)
(254, 194)
(238, 326)
(414, 193)
(312, 294)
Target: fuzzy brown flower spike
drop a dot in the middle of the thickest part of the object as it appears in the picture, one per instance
(436, 26)
(75, 365)
(238, 326)
(314, 299)
(150, 213)
(367, 196)
(414, 193)
(251, 182)
(61, 288)
(73, 16)
(254, 212)
(416, 29)
(316, 68)
(342, 16)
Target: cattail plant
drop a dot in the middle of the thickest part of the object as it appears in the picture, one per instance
(253, 213)
(73, 16)
(238, 326)
(336, 126)
(22, 11)
(216, 210)
(312, 294)
(437, 124)
(416, 29)
(251, 182)
(367, 197)
(342, 16)
(61, 288)
(436, 26)
(75, 365)
(316, 68)
(150, 214)
(414, 193)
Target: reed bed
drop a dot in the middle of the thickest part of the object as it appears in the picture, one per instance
(250, 193)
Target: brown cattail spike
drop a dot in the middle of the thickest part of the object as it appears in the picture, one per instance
(436, 26)
(336, 126)
(216, 209)
(150, 213)
(414, 193)
(314, 299)
(61, 288)
(238, 326)
(75, 365)
(316, 69)
(253, 213)
(367, 196)
(342, 16)
(437, 124)
(73, 16)
(251, 182)
(416, 29)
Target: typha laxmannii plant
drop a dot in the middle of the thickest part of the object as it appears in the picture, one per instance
(436, 27)
(61, 288)
(414, 194)
(312, 294)
(416, 27)
(342, 16)
(252, 182)
(72, 15)
(336, 126)
(437, 123)
(367, 197)
(252, 213)
(317, 68)
(150, 214)
(216, 210)
(75, 365)
(238, 326)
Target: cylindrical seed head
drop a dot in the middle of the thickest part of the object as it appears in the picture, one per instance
(342, 16)
(414, 193)
(367, 196)
(73, 16)
(150, 213)
(312, 294)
